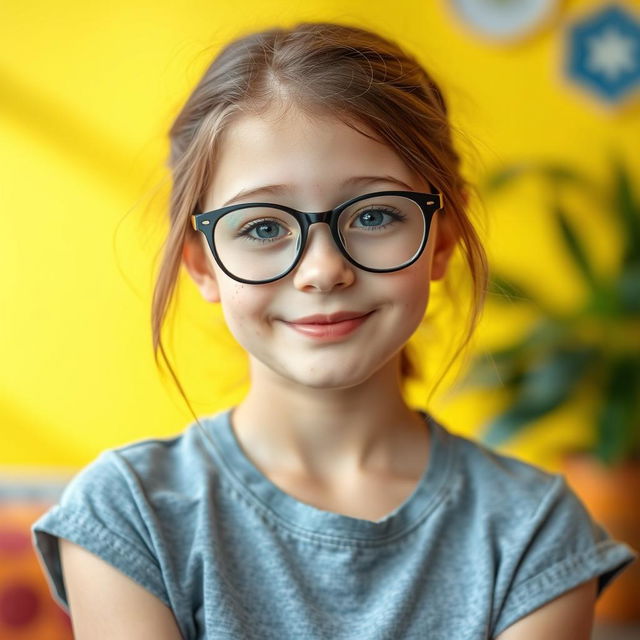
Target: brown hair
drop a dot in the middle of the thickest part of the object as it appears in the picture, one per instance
(319, 68)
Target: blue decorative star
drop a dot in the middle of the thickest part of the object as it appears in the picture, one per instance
(604, 53)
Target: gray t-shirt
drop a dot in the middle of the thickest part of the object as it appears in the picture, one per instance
(484, 540)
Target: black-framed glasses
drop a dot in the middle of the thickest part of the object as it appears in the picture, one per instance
(259, 242)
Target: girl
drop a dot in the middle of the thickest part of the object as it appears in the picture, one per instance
(316, 193)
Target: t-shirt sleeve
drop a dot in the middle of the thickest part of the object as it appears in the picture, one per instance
(102, 509)
(559, 548)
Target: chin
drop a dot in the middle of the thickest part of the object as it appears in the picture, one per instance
(332, 376)
(325, 382)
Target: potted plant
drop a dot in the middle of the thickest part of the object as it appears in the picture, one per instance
(594, 348)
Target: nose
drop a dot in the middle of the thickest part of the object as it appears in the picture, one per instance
(322, 267)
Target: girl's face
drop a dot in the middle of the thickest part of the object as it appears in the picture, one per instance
(318, 161)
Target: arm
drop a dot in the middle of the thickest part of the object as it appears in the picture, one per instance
(568, 617)
(106, 604)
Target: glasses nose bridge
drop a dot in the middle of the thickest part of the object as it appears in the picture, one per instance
(318, 216)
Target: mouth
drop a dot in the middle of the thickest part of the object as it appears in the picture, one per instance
(329, 327)
(333, 318)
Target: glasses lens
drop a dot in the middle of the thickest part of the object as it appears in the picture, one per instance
(257, 243)
(382, 232)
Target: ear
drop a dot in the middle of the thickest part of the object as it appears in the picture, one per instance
(446, 239)
(197, 260)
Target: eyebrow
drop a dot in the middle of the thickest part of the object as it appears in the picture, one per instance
(279, 189)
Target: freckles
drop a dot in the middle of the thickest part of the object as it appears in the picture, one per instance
(237, 291)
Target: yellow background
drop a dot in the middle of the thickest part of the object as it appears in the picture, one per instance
(88, 93)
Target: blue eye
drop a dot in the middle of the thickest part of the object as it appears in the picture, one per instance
(267, 230)
(263, 230)
(377, 218)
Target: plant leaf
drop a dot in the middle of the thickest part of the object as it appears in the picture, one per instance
(576, 248)
(492, 370)
(503, 287)
(501, 178)
(545, 386)
(628, 288)
(627, 210)
(505, 367)
(556, 174)
(618, 422)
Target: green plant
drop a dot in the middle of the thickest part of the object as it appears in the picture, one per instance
(595, 347)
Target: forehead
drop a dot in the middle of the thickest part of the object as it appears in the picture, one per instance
(310, 154)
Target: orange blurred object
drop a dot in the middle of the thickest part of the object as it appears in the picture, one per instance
(612, 497)
(27, 609)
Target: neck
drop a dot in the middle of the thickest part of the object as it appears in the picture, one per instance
(327, 433)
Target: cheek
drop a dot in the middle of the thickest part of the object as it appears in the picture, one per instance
(415, 300)
(411, 289)
(416, 286)
(245, 308)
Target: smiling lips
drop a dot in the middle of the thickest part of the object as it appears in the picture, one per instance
(336, 325)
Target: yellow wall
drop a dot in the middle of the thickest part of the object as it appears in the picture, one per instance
(88, 92)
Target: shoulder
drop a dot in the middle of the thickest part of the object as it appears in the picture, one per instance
(499, 484)
(146, 469)
(131, 496)
(542, 538)
(530, 516)
(132, 507)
